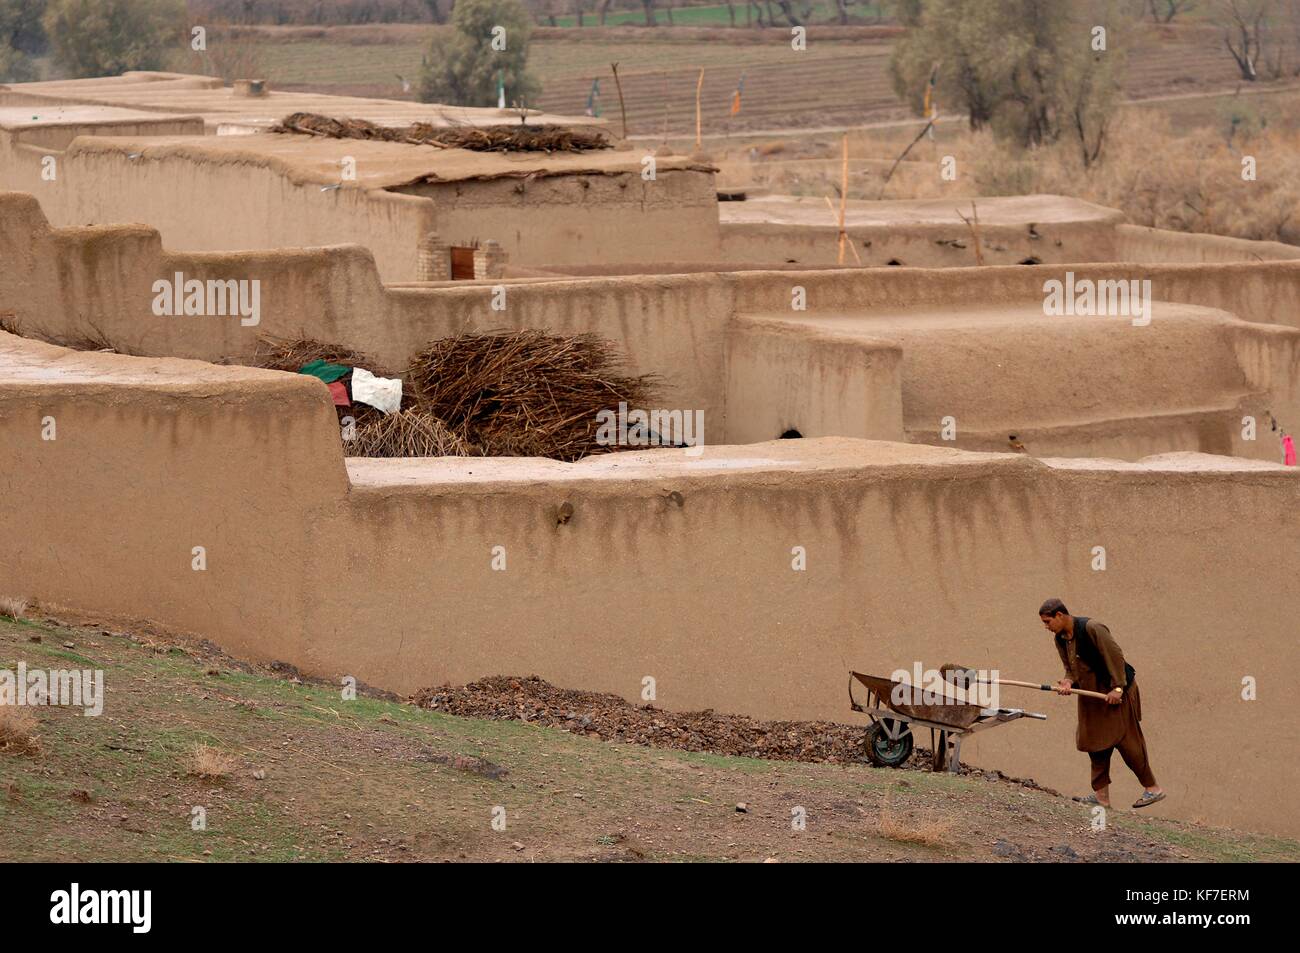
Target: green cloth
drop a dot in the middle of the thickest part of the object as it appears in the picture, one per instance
(329, 373)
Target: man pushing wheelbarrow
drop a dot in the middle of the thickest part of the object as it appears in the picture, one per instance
(1094, 662)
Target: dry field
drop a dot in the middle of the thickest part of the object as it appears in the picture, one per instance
(834, 82)
(1172, 164)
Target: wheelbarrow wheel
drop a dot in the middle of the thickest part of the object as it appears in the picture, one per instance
(887, 752)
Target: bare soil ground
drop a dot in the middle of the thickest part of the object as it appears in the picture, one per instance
(314, 777)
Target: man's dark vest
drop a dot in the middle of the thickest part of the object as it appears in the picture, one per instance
(1091, 655)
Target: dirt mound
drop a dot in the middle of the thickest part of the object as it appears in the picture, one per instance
(611, 718)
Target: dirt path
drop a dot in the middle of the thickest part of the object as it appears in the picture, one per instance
(316, 777)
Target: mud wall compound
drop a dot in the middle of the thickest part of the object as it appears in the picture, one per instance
(1083, 385)
(920, 246)
(799, 382)
(257, 202)
(1140, 243)
(80, 281)
(933, 246)
(245, 207)
(578, 219)
(913, 553)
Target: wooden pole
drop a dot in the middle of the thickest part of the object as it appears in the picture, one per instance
(962, 677)
(699, 86)
(843, 232)
(844, 195)
(1043, 687)
(973, 223)
(622, 108)
(889, 175)
(665, 109)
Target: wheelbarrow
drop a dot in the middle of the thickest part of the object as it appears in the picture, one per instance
(889, 740)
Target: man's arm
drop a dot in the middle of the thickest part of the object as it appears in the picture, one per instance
(1065, 658)
(1064, 685)
(1111, 653)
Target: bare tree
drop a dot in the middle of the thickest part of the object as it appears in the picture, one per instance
(787, 11)
(649, 6)
(1293, 18)
(1245, 27)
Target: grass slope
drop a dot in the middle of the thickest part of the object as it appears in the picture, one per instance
(379, 780)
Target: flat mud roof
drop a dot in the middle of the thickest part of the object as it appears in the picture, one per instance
(379, 165)
(1001, 210)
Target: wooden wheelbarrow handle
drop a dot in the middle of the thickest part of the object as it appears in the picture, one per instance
(1042, 687)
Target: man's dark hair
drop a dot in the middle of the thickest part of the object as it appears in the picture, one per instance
(1053, 607)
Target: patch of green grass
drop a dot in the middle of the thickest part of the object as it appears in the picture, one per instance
(56, 652)
(1246, 848)
(823, 11)
(747, 765)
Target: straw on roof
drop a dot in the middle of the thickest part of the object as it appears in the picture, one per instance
(291, 354)
(406, 433)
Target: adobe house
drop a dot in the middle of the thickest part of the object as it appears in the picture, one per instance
(198, 145)
(248, 105)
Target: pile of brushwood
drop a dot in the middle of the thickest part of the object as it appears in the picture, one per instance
(526, 393)
(518, 393)
(503, 138)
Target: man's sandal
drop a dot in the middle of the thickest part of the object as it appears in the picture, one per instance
(1148, 798)
(1091, 799)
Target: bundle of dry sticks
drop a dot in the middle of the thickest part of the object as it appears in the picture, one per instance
(503, 138)
(517, 393)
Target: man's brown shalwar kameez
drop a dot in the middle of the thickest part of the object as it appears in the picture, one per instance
(1104, 727)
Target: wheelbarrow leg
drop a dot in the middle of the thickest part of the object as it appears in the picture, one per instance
(954, 756)
(939, 760)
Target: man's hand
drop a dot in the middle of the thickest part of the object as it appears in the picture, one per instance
(1115, 697)
(1063, 686)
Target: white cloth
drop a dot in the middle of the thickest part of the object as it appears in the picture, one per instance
(382, 393)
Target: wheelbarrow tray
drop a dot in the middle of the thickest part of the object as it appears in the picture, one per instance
(959, 715)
